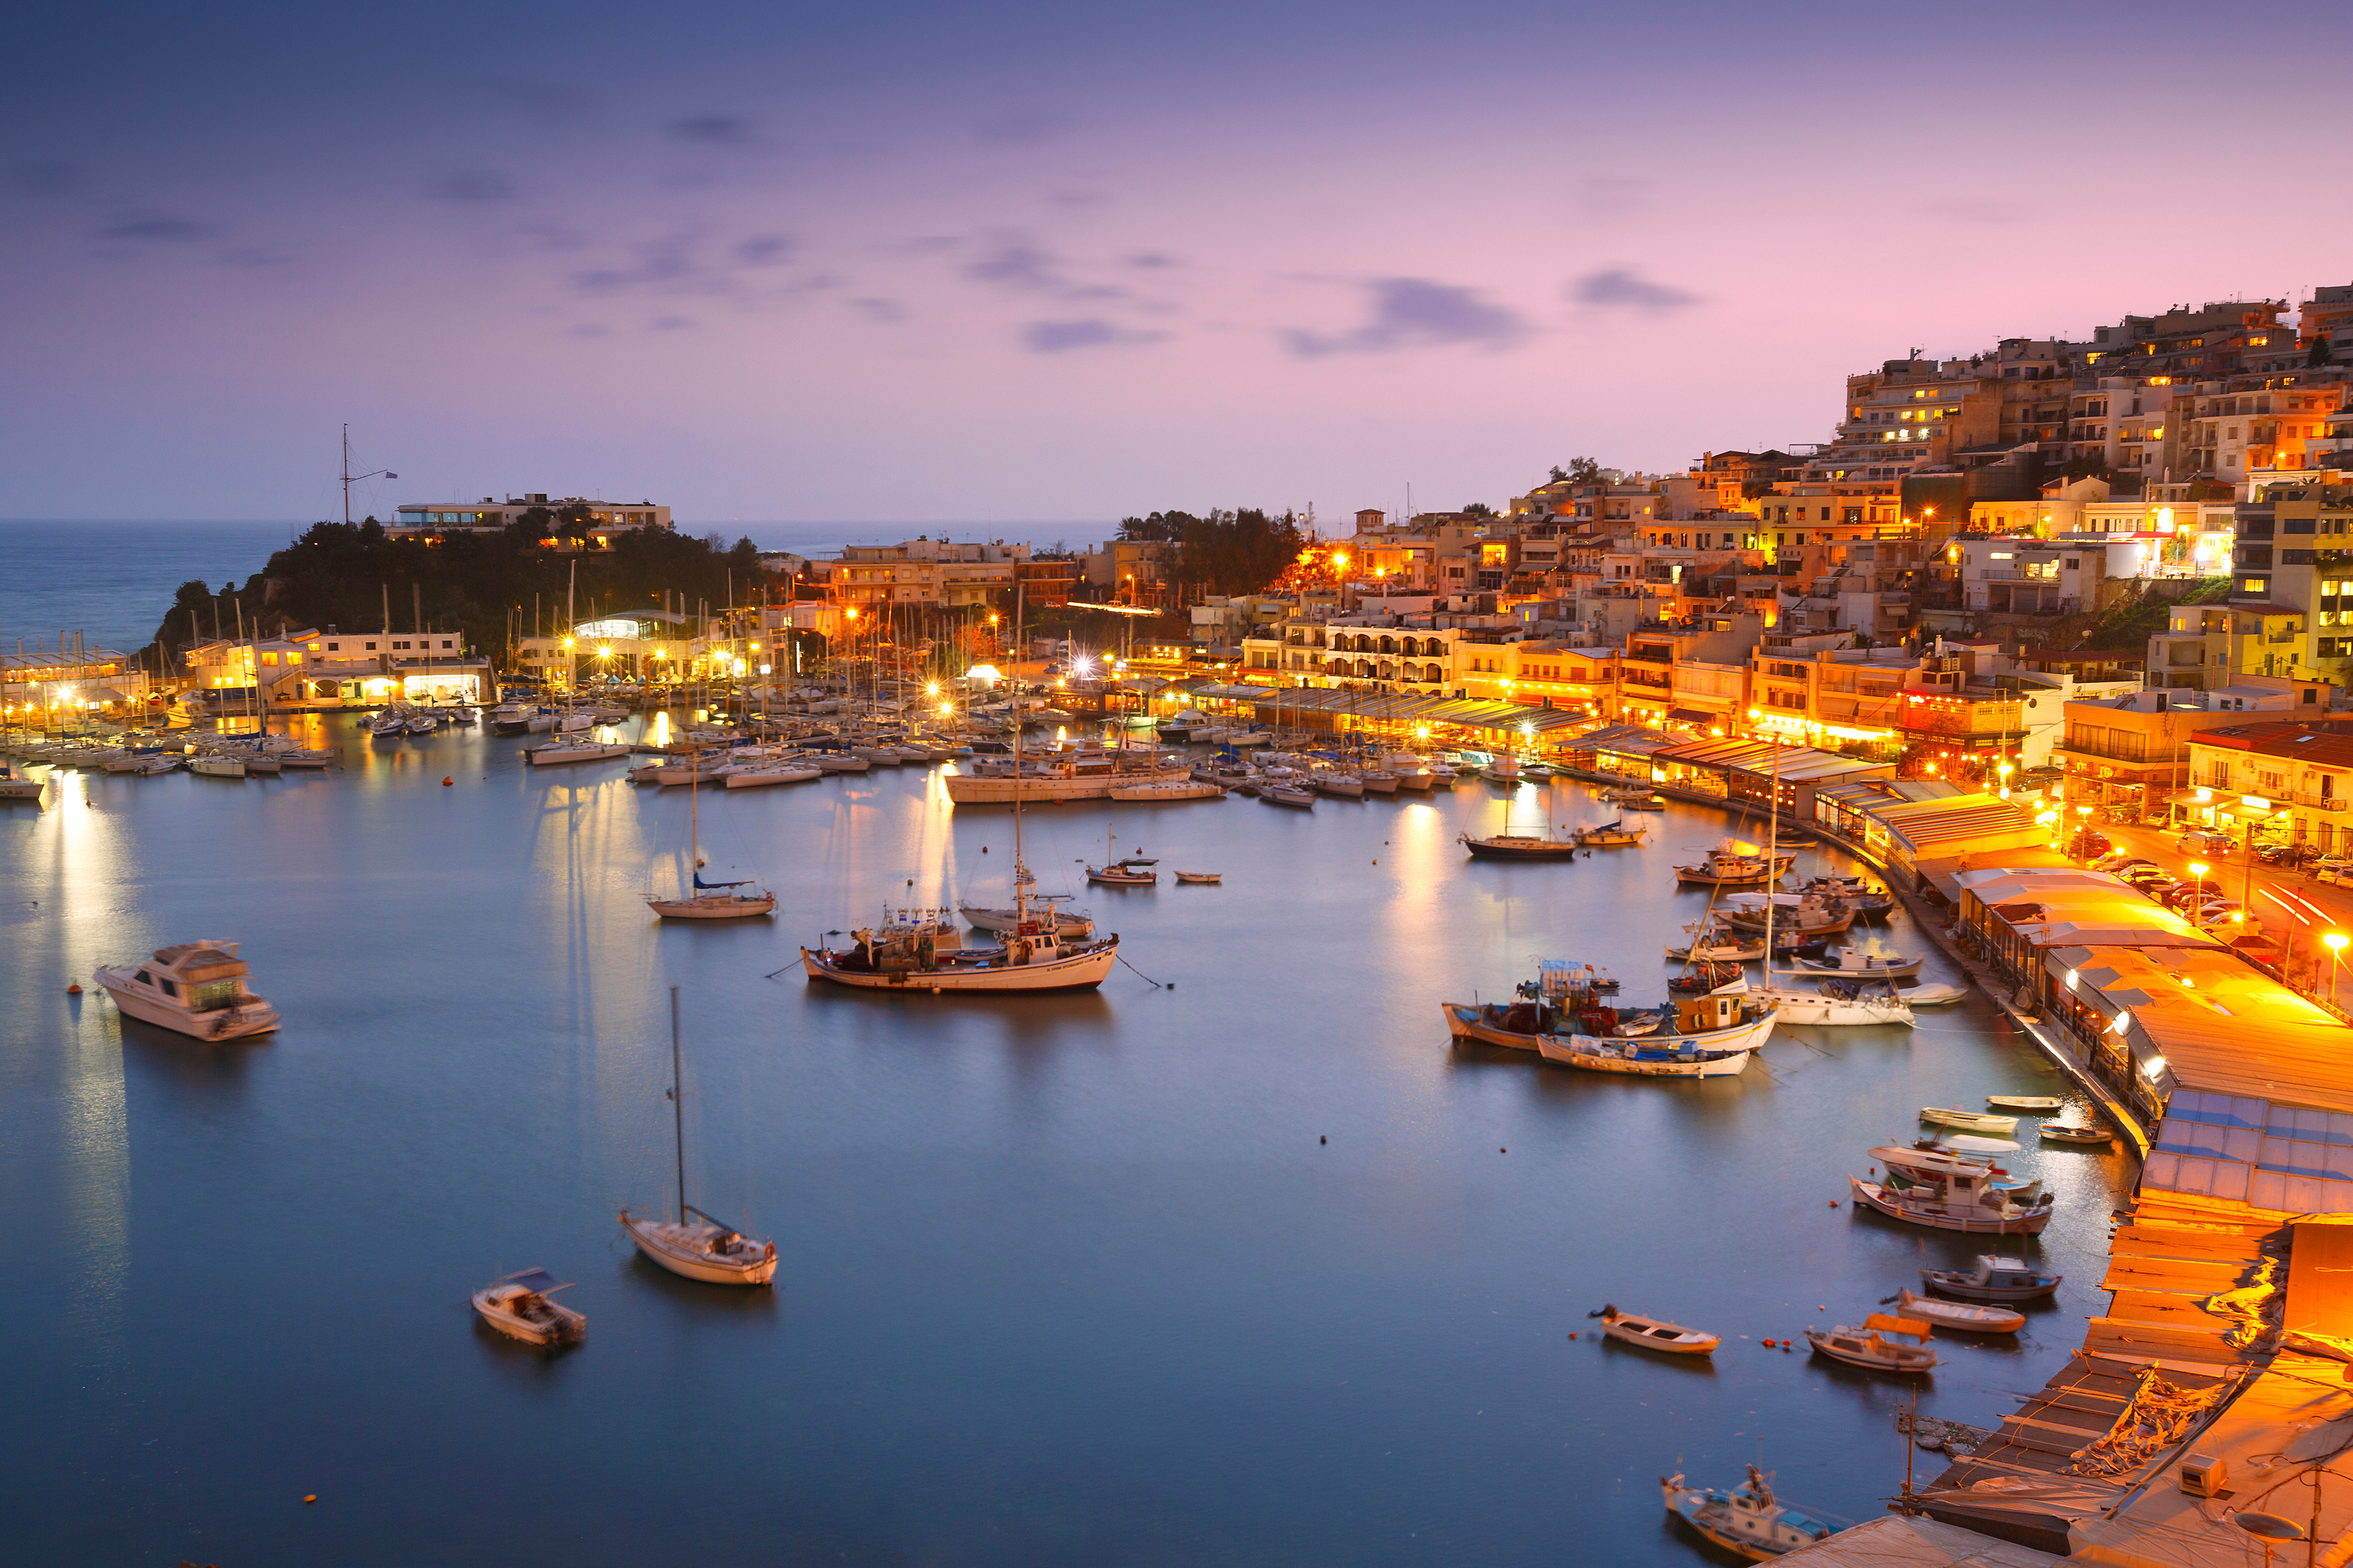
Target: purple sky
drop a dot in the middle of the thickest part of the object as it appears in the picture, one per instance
(778, 262)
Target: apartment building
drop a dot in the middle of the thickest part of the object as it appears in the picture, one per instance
(2133, 748)
(924, 571)
(2292, 584)
(2275, 779)
(490, 512)
(2064, 576)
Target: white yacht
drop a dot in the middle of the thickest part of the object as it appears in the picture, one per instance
(196, 988)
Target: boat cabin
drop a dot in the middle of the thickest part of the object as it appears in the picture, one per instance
(196, 975)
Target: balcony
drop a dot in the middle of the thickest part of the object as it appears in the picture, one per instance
(2316, 802)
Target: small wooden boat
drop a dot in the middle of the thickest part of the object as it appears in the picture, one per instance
(1933, 996)
(1958, 1315)
(1656, 1334)
(1200, 878)
(518, 1306)
(1967, 1121)
(2074, 1133)
(1880, 1344)
(1993, 1280)
(2025, 1101)
(1745, 1520)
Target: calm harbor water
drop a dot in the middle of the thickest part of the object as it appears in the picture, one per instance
(1065, 1280)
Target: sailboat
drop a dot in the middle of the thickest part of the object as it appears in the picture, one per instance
(1135, 871)
(1831, 1005)
(924, 955)
(1510, 846)
(712, 1251)
(710, 901)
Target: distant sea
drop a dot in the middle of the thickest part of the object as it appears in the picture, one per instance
(111, 582)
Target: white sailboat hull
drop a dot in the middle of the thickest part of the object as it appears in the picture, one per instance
(970, 789)
(1810, 1007)
(555, 756)
(664, 1245)
(712, 907)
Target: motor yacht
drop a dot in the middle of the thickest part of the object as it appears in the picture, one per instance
(194, 988)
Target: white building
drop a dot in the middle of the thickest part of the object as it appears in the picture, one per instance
(446, 517)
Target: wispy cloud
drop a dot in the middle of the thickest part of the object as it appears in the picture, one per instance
(1021, 127)
(1012, 262)
(1091, 333)
(154, 228)
(766, 249)
(714, 130)
(883, 312)
(1412, 313)
(474, 185)
(1621, 288)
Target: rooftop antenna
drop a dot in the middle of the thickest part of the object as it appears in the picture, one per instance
(350, 478)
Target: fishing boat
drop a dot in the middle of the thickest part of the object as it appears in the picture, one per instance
(2074, 1133)
(1732, 868)
(1994, 1278)
(1967, 1121)
(1656, 1334)
(1853, 960)
(1713, 1036)
(710, 1252)
(196, 988)
(1608, 835)
(2025, 1101)
(912, 950)
(1953, 1192)
(520, 1306)
(1200, 878)
(1792, 914)
(1958, 1315)
(710, 901)
(1881, 1343)
(1039, 907)
(1745, 1520)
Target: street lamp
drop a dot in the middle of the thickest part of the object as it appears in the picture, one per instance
(2198, 870)
(2335, 940)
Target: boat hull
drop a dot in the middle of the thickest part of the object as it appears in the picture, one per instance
(1079, 972)
(1812, 1008)
(1956, 1316)
(973, 789)
(689, 1264)
(217, 1025)
(722, 909)
(1502, 848)
(1974, 1222)
(558, 756)
(1822, 1346)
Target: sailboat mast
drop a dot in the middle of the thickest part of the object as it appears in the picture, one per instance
(1020, 897)
(677, 1104)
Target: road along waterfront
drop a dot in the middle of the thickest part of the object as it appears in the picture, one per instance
(1062, 1278)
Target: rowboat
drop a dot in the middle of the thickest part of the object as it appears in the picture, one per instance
(1656, 1334)
(1993, 1280)
(1935, 996)
(1200, 878)
(2025, 1101)
(1880, 1344)
(1967, 1121)
(1959, 1315)
(1745, 1521)
(2074, 1133)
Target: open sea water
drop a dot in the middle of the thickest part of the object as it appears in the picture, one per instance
(1072, 1279)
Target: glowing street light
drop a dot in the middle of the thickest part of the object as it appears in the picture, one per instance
(2335, 940)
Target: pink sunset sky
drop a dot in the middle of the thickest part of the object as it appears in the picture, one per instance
(775, 263)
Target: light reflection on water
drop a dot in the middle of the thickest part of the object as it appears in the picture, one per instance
(1066, 1278)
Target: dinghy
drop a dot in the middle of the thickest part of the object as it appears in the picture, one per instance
(2074, 1133)
(2025, 1101)
(1959, 1315)
(1880, 1344)
(1201, 878)
(1656, 1334)
(1967, 1121)
(1934, 995)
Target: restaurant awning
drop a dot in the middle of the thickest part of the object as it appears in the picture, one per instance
(1693, 716)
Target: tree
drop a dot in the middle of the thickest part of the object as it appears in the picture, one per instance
(1478, 509)
(1580, 471)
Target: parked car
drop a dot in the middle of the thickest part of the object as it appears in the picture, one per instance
(2183, 896)
(2144, 875)
(2331, 871)
(2117, 862)
(2206, 844)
